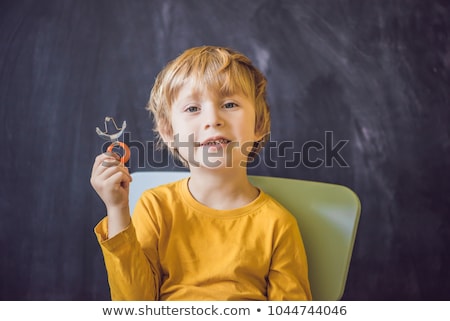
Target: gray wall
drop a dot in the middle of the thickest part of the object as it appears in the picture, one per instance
(373, 73)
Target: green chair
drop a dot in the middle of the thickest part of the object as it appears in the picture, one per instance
(327, 214)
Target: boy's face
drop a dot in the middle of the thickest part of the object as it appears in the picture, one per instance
(211, 130)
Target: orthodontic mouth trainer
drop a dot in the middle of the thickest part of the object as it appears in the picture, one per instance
(114, 138)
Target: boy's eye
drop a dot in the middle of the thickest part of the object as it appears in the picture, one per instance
(191, 109)
(230, 105)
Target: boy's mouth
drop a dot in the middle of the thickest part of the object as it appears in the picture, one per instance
(215, 141)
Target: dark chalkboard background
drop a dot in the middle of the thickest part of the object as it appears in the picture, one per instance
(373, 73)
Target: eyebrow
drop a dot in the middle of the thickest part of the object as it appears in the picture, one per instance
(180, 104)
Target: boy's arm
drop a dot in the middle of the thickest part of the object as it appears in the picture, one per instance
(288, 274)
(131, 271)
(131, 275)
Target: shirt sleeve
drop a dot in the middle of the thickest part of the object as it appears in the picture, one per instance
(131, 275)
(288, 274)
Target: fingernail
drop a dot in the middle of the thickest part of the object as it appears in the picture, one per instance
(111, 154)
(110, 164)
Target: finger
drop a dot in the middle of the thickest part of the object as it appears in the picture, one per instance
(115, 162)
(107, 172)
(110, 164)
(119, 179)
(112, 154)
(107, 157)
(109, 179)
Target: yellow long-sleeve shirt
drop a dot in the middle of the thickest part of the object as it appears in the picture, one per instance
(178, 249)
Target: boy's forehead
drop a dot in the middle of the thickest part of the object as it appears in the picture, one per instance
(189, 91)
(195, 87)
(194, 91)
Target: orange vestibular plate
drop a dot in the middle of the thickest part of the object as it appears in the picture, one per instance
(126, 151)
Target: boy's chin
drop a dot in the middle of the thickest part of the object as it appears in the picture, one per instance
(212, 164)
(216, 163)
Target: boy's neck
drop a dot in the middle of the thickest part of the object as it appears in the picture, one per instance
(222, 189)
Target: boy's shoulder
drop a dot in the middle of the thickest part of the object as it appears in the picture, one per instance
(274, 209)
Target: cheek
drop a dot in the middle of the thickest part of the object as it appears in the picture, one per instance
(185, 130)
(247, 130)
(177, 127)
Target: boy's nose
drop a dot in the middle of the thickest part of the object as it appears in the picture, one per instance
(213, 118)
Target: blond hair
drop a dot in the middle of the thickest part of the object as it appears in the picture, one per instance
(216, 68)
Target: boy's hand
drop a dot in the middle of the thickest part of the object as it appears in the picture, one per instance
(111, 180)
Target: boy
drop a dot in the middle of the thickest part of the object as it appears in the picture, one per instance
(212, 236)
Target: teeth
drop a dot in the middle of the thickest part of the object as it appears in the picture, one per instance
(216, 142)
